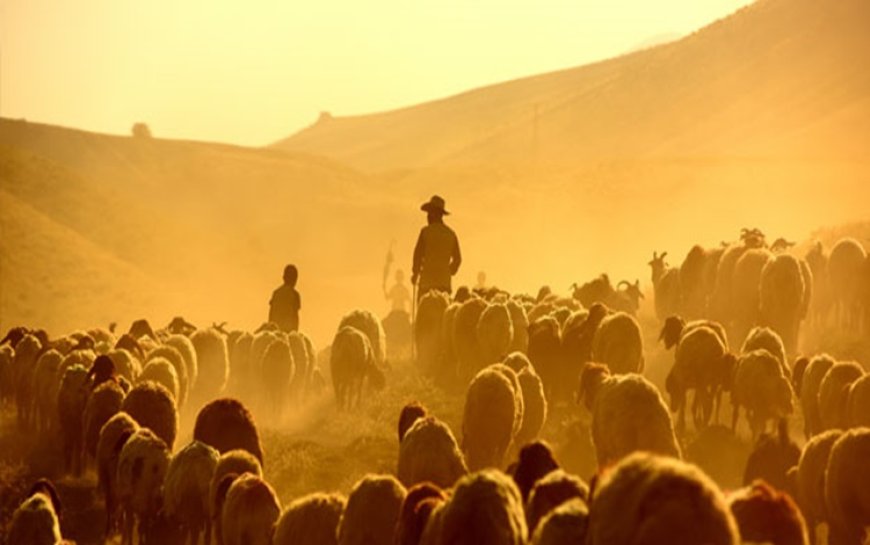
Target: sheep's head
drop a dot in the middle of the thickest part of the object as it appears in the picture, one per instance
(591, 378)
(658, 265)
(463, 294)
(671, 331)
(410, 413)
(781, 245)
(141, 328)
(14, 336)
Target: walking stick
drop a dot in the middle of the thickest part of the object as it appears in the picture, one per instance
(414, 322)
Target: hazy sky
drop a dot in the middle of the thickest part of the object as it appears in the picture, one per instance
(254, 71)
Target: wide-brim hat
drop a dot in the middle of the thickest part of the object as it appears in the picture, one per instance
(435, 204)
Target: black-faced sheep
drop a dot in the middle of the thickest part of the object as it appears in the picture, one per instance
(566, 523)
(782, 298)
(427, 330)
(186, 490)
(488, 419)
(212, 365)
(153, 407)
(845, 266)
(230, 465)
(628, 414)
(142, 467)
(372, 511)
(250, 512)
(368, 323)
(647, 499)
(847, 488)
(834, 393)
(809, 479)
(35, 521)
(226, 424)
(429, 452)
(72, 397)
(310, 520)
(551, 491)
(766, 515)
(809, 393)
(771, 458)
(104, 402)
(618, 344)
(352, 363)
(415, 512)
(761, 387)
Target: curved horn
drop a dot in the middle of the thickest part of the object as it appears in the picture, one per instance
(621, 282)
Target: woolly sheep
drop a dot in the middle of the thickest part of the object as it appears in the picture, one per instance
(71, 400)
(564, 524)
(834, 391)
(302, 365)
(277, 369)
(113, 435)
(767, 339)
(410, 413)
(368, 323)
(762, 389)
(310, 520)
(534, 462)
(519, 402)
(534, 406)
(495, 334)
(126, 364)
(518, 361)
(46, 382)
(241, 373)
(465, 339)
(618, 344)
(427, 329)
(675, 328)
(372, 511)
(745, 295)
(185, 347)
(628, 414)
(429, 452)
(810, 479)
(520, 322)
(847, 488)
(352, 362)
(809, 392)
(250, 512)
(153, 407)
(226, 424)
(666, 286)
(782, 293)
(142, 466)
(858, 403)
(693, 281)
(230, 465)
(845, 266)
(161, 371)
(104, 403)
(551, 491)
(448, 343)
(7, 370)
(174, 357)
(765, 515)
(772, 457)
(186, 490)
(35, 522)
(212, 365)
(488, 419)
(485, 509)
(545, 352)
(415, 511)
(23, 366)
(652, 499)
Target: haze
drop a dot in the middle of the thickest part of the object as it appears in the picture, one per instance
(252, 72)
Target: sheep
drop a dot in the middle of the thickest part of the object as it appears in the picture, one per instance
(817, 261)
(565, 524)
(302, 365)
(809, 479)
(762, 389)
(429, 452)
(545, 352)
(352, 362)
(495, 334)
(250, 512)
(858, 403)
(368, 323)
(427, 329)
(834, 391)
(161, 371)
(653, 499)
(174, 357)
(71, 400)
(666, 286)
(185, 347)
(415, 511)
(485, 509)
(240, 363)
(103, 403)
(518, 361)
(186, 490)
(23, 365)
(534, 462)
(448, 344)
(772, 457)
(310, 520)
(519, 402)
(765, 515)
(675, 327)
(618, 344)
(113, 435)
(767, 339)
(845, 266)
(847, 490)
(277, 369)
(534, 406)
(212, 365)
(702, 363)
(230, 465)
(465, 339)
(745, 296)
(410, 413)
(253, 377)
(692, 282)
(36, 520)
(153, 407)
(372, 511)
(488, 419)
(142, 467)
(809, 392)
(628, 414)
(7, 369)
(46, 382)
(721, 308)
(126, 364)
(551, 491)
(520, 322)
(226, 424)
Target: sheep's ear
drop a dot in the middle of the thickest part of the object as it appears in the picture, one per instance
(663, 255)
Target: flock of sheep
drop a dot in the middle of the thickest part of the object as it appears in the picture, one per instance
(512, 361)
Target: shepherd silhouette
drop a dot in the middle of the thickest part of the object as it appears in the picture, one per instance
(436, 255)
(285, 303)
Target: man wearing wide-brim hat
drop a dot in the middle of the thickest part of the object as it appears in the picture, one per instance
(436, 255)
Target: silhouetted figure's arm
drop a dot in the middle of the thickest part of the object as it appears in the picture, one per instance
(418, 259)
(456, 258)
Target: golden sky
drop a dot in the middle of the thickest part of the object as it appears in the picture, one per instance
(254, 71)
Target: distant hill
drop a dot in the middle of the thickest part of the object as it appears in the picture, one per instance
(780, 79)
